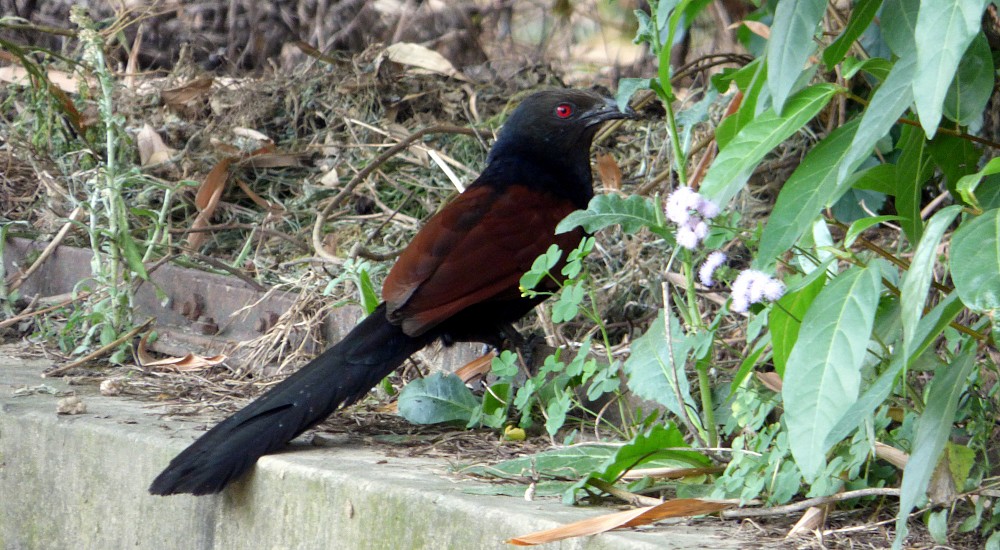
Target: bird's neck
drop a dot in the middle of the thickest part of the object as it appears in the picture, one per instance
(567, 176)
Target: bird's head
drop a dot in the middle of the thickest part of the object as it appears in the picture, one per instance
(559, 121)
(548, 136)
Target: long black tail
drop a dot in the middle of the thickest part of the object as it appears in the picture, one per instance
(340, 376)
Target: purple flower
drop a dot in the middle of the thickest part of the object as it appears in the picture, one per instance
(708, 209)
(690, 211)
(708, 267)
(687, 238)
(752, 286)
(680, 203)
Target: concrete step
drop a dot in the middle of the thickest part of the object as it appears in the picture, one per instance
(80, 482)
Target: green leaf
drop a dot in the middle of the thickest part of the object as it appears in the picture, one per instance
(913, 169)
(132, 256)
(862, 15)
(437, 398)
(632, 213)
(627, 87)
(956, 157)
(975, 261)
(369, 296)
(785, 319)
(859, 227)
(887, 104)
(944, 30)
(650, 372)
(966, 186)
(504, 365)
(823, 375)
(875, 66)
(737, 161)
(563, 463)
(899, 22)
(973, 84)
(540, 267)
(791, 43)
(555, 411)
(568, 305)
(880, 178)
(932, 431)
(658, 443)
(810, 188)
(917, 281)
(495, 404)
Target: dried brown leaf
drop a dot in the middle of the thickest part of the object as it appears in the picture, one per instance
(609, 171)
(415, 55)
(755, 27)
(682, 507)
(152, 150)
(189, 95)
(207, 200)
(189, 362)
(770, 380)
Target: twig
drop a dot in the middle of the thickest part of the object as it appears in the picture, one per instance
(99, 352)
(49, 249)
(317, 234)
(808, 503)
(26, 314)
(627, 496)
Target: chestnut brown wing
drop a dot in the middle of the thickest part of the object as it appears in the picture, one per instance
(472, 251)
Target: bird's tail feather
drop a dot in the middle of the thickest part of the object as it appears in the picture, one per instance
(340, 376)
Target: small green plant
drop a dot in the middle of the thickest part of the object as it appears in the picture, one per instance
(558, 390)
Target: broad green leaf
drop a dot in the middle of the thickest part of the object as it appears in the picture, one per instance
(945, 28)
(973, 84)
(132, 255)
(823, 376)
(750, 361)
(660, 442)
(880, 178)
(651, 375)
(955, 157)
(737, 161)
(929, 328)
(563, 463)
(862, 14)
(808, 190)
(932, 431)
(785, 320)
(876, 66)
(975, 261)
(966, 186)
(627, 87)
(913, 169)
(887, 104)
(632, 213)
(917, 281)
(899, 22)
(437, 398)
(859, 227)
(791, 43)
(733, 124)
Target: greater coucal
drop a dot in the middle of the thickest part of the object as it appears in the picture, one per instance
(457, 281)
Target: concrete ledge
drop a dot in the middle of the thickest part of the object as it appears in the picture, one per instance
(80, 482)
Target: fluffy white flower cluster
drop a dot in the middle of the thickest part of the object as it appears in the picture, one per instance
(752, 286)
(690, 211)
(708, 267)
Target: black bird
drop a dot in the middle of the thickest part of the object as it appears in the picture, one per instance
(457, 281)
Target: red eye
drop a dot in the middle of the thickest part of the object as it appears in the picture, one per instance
(564, 110)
